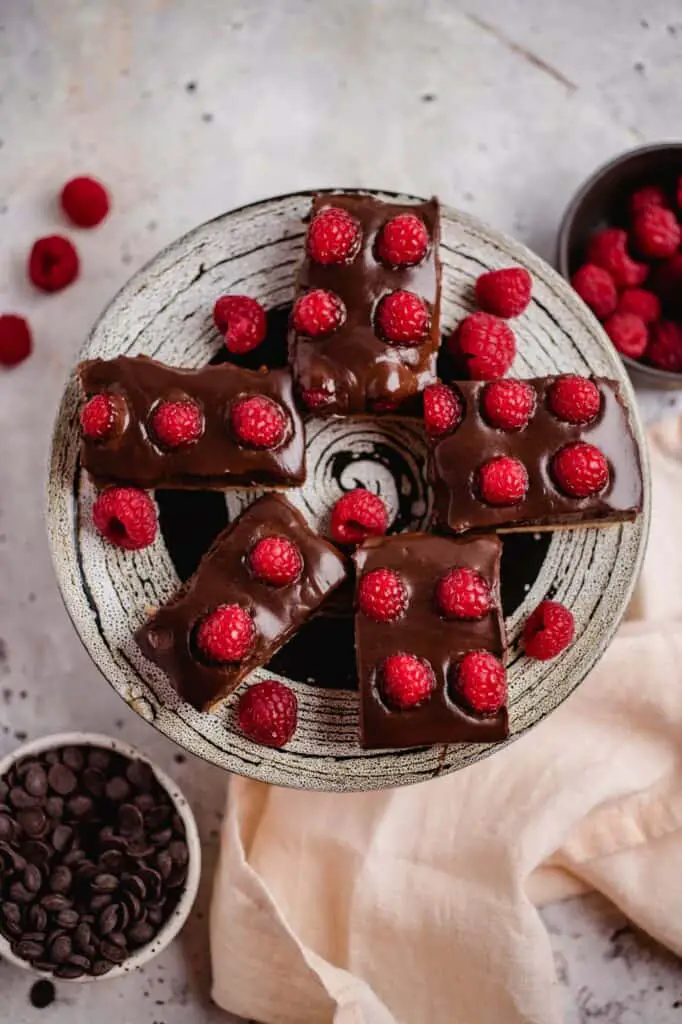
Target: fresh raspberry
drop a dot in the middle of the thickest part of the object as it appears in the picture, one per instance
(548, 630)
(276, 560)
(503, 481)
(267, 713)
(656, 233)
(317, 398)
(574, 399)
(485, 344)
(667, 284)
(16, 342)
(608, 249)
(403, 318)
(628, 333)
(641, 302)
(403, 241)
(580, 469)
(481, 682)
(357, 515)
(645, 197)
(382, 595)
(442, 410)
(175, 424)
(665, 346)
(99, 417)
(318, 313)
(242, 321)
(85, 201)
(333, 236)
(505, 293)
(463, 594)
(53, 263)
(406, 681)
(596, 288)
(126, 517)
(226, 634)
(508, 404)
(258, 422)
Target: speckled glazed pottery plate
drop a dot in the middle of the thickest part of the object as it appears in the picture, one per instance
(165, 311)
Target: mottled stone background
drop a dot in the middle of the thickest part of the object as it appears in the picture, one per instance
(190, 107)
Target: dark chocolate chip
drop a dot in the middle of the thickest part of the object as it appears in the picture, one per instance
(144, 802)
(177, 877)
(24, 766)
(76, 960)
(6, 827)
(33, 879)
(107, 920)
(62, 780)
(156, 818)
(68, 919)
(99, 759)
(69, 972)
(111, 860)
(35, 782)
(80, 806)
(101, 967)
(19, 893)
(133, 904)
(25, 949)
(61, 949)
(11, 912)
(10, 856)
(114, 953)
(52, 757)
(33, 821)
(83, 935)
(36, 851)
(129, 819)
(179, 852)
(94, 781)
(164, 862)
(141, 933)
(140, 848)
(123, 919)
(54, 806)
(37, 917)
(134, 884)
(105, 883)
(140, 775)
(73, 758)
(99, 902)
(19, 798)
(42, 992)
(163, 837)
(54, 902)
(118, 939)
(75, 858)
(61, 879)
(117, 789)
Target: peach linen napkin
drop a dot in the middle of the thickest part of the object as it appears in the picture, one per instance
(419, 905)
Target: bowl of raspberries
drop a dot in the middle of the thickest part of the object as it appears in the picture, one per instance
(620, 246)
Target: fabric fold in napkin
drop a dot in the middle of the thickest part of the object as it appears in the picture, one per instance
(419, 904)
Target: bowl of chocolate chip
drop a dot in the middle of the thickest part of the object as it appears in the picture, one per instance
(99, 858)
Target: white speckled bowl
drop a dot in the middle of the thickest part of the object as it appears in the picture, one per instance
(165, 311)
(174, 924)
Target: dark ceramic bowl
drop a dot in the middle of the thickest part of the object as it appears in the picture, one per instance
(601, 202)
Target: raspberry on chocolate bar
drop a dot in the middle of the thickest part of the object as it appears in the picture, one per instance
(150, 425)
(429, 636)
(545, 453)
(365, 330)
(262, 578)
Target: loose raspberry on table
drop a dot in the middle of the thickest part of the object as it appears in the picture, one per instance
(16, 342)
(406, 681)
(382, 595)
(463, 594)
(85, 201)
(574, 399)
(403, 318)
(596, 288)
(267, 713)
(608, 249)
(481, 682)
(505, 293)
(276, 560)
(443, 410)
(99, 416)
(548, 630)
(628, 333)
(580, 470)
(641, 302)
(656, 233)
(508, 404)
(126, 517)
(317, 398)
(53, 263)
(175, 424)
(333, 236)
(485, 344)
(242, 322)
(502, 481)
(226, 634)
(664, 350)
(646, 197)
(318, 313)
(258, 422)
(357, 515)
(403, 241)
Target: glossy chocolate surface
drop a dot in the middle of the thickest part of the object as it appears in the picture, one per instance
(421, 559)
(216, 460)
(362, 370)
(455, 461)
(224, 577)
